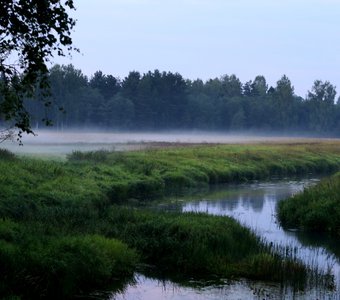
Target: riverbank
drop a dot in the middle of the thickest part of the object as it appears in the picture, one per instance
(55, 213)
(316, 209)
(145, 175)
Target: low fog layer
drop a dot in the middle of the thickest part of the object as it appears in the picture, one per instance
(61, 143)
(101, 137)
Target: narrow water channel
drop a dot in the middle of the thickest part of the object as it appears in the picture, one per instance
(254, 205)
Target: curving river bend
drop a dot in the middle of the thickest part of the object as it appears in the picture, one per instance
(254, 205)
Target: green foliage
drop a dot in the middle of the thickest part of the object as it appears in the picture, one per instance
(62, 235)
(6, 155)
(74, 264)
(316, 209)
(195, 244)
(98, 156)
(102, 176)
(201, 245)
(34, 264)
(164, 100)
(32, 31)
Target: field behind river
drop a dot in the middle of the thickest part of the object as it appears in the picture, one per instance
(47, 144)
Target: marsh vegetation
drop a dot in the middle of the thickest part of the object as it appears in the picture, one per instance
(69, 227)
(316, 209)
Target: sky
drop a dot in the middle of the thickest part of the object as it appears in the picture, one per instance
(210, 38)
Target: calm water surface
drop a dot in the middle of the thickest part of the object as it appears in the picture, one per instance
(254, 205)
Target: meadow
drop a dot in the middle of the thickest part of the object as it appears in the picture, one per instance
(68, 228)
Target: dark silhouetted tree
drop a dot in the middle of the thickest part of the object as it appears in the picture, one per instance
(320, 100)
(259, 86)
(284, 97)
(32, 31)
(107, 85)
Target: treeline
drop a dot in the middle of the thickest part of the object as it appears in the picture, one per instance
(164, 100)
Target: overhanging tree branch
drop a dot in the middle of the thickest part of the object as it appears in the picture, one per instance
(31, 33)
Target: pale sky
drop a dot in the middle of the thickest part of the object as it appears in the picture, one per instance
(209, 38)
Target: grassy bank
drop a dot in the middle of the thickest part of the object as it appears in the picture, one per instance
(61, 222)
(316, 209)
(150, 174)
(45, 258)
(35, 263)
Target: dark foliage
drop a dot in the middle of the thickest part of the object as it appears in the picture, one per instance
(31, 31)
(316, 209)
(164, 100)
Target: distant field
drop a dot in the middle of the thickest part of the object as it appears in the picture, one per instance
(59, 144)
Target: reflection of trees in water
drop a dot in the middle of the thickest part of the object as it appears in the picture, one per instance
(322, 240)
(244, 197)
(226, 205)
(247, 199)
(254, 202)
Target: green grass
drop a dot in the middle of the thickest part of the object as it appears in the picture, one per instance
(40, 262)
(150, 174)
(316, 209)
(201, 245)
(64, 230)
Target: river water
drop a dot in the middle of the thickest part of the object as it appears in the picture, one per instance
(254, 205)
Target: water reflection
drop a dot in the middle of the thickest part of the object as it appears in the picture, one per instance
(146, 288)
(254, 205)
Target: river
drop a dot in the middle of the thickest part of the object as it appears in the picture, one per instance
(254, 205)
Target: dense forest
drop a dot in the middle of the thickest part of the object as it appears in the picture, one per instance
(164, 100)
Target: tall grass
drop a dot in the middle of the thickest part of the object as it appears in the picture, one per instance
(201, 245)
(35, 264)
(63, 234)
(153, 173)
(316, 209)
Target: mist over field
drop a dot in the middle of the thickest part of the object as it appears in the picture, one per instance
(56, 143)
(169, 149)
